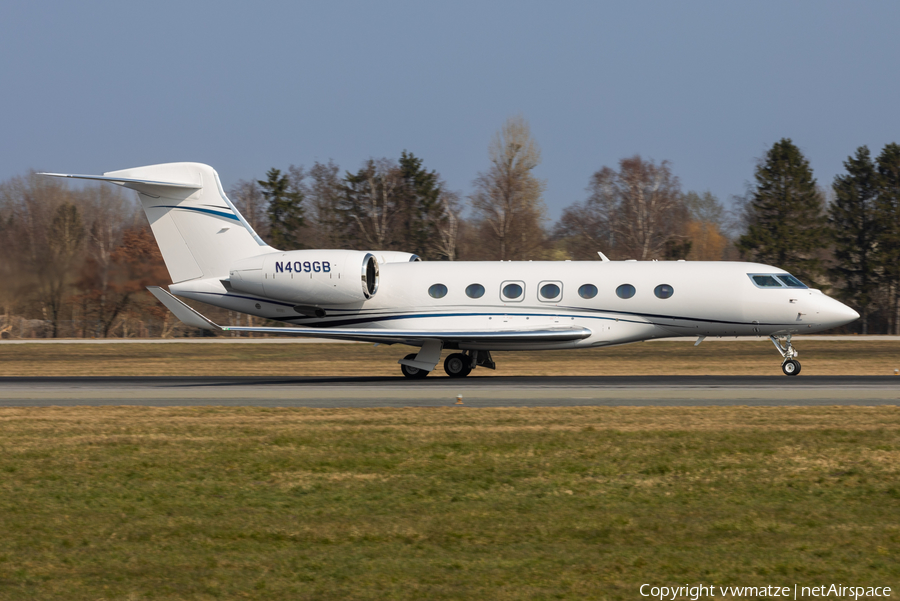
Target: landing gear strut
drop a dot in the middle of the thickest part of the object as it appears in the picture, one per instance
(790, 366)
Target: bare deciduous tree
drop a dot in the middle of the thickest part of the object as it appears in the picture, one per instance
(31, 203)
(324, 193)
(637, 212)
(508, 198)
(650, 206)
(446, 225)
(249, 200)
(108, 212)
(64, 240)
(706, 227)
(588, 227)
(370, 204)
(10, 272)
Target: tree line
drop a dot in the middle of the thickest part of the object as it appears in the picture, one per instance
(75, 261)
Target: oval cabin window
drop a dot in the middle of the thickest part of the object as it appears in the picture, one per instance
(437, 291)
(512, 291)
(587, 291)
(474, 290)
(663, 291)
(550, 291)
(625, 291)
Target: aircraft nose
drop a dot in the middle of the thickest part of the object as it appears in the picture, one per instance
(837, 314)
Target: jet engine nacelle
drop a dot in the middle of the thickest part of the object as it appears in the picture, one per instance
(309, 278)
(394, 256)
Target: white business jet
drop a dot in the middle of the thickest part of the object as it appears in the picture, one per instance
(473, 308)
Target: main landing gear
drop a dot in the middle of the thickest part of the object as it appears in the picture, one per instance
(790, 366)
(457, 365)
(413, 373)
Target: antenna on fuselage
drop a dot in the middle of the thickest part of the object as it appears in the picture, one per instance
(603, 257)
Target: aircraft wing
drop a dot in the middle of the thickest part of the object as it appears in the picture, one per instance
(412, 337)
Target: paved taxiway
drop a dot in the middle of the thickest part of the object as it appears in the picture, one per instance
(495, 391)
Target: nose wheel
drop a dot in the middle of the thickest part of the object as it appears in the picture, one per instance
(790, 366)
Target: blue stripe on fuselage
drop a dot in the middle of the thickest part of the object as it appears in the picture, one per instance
(199, 210)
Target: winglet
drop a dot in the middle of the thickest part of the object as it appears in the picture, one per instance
(186, 314)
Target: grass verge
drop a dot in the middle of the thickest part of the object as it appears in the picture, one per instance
(451, 503)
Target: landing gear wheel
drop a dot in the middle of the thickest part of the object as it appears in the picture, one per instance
(413, 373)
(791, 368)
(457, 365)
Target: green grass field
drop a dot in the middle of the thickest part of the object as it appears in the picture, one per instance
(450, 503)
(714, 357)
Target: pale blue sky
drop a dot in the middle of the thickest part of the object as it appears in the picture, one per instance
(89, 87)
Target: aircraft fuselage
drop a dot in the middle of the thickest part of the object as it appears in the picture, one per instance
(668, 298)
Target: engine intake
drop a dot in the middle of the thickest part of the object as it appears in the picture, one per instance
(370, 276)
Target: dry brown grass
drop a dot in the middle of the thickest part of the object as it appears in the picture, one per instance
(751, 357)
(115, 425)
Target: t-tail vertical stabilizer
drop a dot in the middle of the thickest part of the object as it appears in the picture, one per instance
(198, 229)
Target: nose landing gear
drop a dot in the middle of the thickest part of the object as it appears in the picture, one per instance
(790, 366)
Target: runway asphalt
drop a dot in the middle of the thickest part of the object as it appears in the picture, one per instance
(436, 391)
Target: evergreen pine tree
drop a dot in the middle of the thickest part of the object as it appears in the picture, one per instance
(422, 189)
(855, 230)
(786, 225)
(285, 210)
(888, 216)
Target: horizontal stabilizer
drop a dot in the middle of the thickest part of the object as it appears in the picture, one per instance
(413, 337)
(144, 186)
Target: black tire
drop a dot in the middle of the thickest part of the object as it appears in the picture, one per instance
(791, 368)
(457, 365)
(413, 373)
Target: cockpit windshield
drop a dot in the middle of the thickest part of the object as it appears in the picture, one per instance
(775, 280)
(790, 281)
(765, 281)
